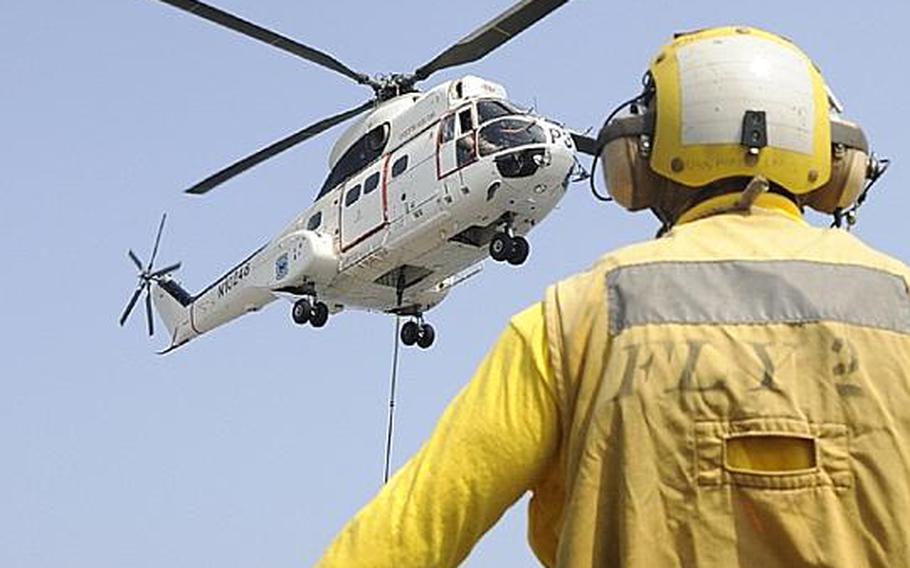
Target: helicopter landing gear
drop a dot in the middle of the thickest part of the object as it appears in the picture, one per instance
(506, 247)
(315, 313)
(417, 332)
(520, 251)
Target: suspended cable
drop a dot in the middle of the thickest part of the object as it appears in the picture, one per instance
(392, 384)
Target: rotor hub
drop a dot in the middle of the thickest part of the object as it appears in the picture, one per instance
(393, 85)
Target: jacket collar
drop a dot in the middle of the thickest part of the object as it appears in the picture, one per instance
(723, 204)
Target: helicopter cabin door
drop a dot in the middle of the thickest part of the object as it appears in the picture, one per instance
(455, 143)
(363, 206)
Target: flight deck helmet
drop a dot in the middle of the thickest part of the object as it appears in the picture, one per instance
(722, 106)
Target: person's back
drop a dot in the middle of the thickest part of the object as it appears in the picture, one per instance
(735, 393)
(742, 399)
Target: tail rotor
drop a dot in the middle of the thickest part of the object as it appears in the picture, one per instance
(146, 276)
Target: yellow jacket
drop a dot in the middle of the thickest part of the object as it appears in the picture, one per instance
(736, 393)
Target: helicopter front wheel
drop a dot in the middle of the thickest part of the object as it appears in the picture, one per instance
(500, 247)
(518, 254)
(514, 250)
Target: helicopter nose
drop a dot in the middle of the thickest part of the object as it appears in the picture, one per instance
(522, 163)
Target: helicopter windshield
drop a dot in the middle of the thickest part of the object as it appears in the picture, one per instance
(488, 110)
(509, 133)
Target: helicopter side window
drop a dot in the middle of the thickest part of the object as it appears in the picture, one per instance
(352, 196)
(509, 133)
(448, 129)
(400, 165)
(362, 153)
(371, 183)
(314, 221)
(489, 110)
(465, 121)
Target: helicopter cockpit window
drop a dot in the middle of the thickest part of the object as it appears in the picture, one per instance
(489, 110)
(362, 153)
(314, 221)
(509, 133)
(352, 196)
(465, 121)
(371, 183)
(448, 129)
(400, 165)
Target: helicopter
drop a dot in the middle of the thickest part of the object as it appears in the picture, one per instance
(421, 189)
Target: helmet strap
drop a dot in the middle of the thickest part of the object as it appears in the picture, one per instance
(755, 187)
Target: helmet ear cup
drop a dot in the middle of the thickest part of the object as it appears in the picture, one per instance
(848, 177)
(628, 175)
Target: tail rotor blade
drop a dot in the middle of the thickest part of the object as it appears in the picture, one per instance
(157, 241)
(135, 259)
(165, 270)
(146, 277)
(130, 304)
(148, 311)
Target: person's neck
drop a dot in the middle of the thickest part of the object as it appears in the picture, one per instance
(726, 203)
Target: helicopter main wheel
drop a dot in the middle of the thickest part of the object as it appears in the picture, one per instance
(319, 315)
(410, 333)
(500, 247)
(301, 311)
(518, 254)
(427, 336)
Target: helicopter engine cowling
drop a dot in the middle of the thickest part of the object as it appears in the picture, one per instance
(310, 257)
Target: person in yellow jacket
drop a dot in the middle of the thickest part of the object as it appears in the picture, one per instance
(734, 393)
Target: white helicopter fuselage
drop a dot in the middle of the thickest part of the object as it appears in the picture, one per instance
(417, 189)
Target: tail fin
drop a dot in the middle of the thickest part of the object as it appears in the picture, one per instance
(172, 303)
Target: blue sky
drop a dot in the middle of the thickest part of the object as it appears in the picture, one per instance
(253, 445)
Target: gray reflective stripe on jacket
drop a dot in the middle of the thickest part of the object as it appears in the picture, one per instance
(756, 292)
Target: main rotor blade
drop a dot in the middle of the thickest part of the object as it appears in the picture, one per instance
(148, 310)
(275, 149)
(165, 270)
(135, 260)
(157, 242)
(130, 304)
(585, 144)
(255, 31)
(491, 35)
